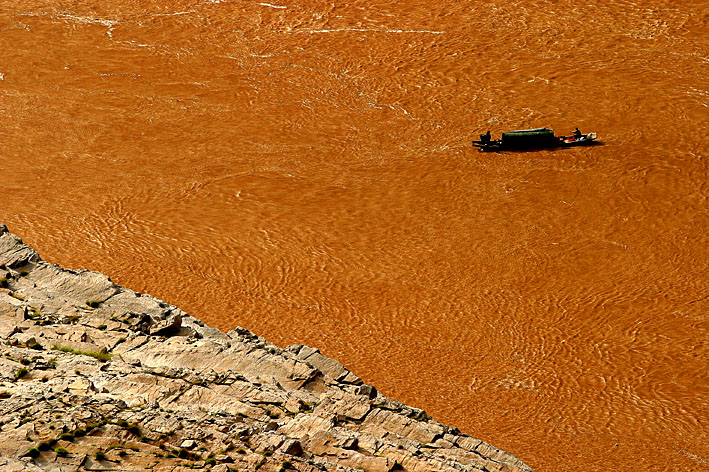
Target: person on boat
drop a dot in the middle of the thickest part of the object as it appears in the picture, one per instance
(486, 138)
(577, 134)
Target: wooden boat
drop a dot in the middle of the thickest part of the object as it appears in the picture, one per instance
(583, 140)
(537, 138)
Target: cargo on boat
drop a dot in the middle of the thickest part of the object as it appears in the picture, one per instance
(528, 138)
(537, 138)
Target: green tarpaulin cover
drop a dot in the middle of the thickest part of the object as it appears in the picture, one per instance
(528, 137)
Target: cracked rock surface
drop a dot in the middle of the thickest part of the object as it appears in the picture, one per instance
(96, 377)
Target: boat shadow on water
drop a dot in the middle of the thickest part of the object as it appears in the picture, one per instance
(535, 150)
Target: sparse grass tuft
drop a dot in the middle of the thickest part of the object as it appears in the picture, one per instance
(34, 345)
(33, 453)
(122, 423)
(61, 452)
(101, 356)
(91, 426)
(21, 372)
(272, 414)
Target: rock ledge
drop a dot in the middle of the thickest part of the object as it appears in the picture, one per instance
(96, 377)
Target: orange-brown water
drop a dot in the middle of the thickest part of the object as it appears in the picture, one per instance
(304, 169)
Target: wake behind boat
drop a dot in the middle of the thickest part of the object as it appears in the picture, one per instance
(537, 138)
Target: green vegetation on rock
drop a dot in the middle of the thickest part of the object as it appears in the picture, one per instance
(101, 356)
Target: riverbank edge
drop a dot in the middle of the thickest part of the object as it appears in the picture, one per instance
(95, 376)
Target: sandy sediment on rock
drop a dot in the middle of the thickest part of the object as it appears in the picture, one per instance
(94, 376)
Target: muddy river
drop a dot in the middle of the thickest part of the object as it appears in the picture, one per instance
(304, 169)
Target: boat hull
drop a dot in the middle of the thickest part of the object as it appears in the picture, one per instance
(537, 142)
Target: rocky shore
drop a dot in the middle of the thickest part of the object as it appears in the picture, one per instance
(94, 376)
